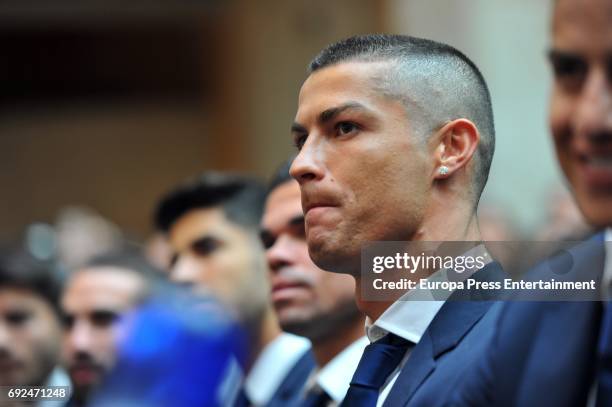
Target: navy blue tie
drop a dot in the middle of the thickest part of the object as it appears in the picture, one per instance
(604, 374)
(378, 361)
(316, 398)
(241, 399)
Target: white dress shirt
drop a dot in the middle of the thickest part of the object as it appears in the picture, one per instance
(410, 316)
(58, 377)
(607, 274)
(335, 377)
(269, 370)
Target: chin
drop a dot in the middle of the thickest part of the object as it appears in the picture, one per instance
(297, 324)
(337, 261)
(331, 253)
(599, 217)
(597, 210)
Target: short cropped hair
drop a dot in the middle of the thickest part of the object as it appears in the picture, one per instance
(19, 269)
(241, 198)
(129, 257)
(431, 78)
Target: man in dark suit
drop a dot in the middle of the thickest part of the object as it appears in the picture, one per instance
(309, 301)
(396, 139)
(212, 223)
(560, 353)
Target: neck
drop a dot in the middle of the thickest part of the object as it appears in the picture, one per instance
(442, 224)
(325, 349)
(261, 335)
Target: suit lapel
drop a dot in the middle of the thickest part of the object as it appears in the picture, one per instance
(420, 364)
(451, 324)
(293, 383)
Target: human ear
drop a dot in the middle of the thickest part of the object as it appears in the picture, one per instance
(457, 142)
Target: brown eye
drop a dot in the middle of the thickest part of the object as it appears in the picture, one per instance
(103, 319)
(343, 128)
(569, 70)
(299, 140)
(67, 321)
(299, 230)
(17, 318)
(205, 246)
(267, 239)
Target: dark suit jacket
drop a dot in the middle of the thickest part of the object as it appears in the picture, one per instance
(289, 393)
(452, 342)
(542, 353)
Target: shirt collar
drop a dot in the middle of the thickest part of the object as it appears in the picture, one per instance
(333, 377)
(282, 353)
(409, 316)
(607, 274)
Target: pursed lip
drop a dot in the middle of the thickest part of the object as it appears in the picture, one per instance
(312, 201)
(281, 285)
(287, 290)
(308, 207)
(596, 169)
(84, 372)
(287, 280)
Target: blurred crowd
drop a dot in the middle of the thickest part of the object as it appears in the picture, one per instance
(248, 292)
(221, 305)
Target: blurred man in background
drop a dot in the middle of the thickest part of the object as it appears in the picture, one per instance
(563, 221)
(30, 329)
(173, 352)
(309, 301)
(96, 298)
(560, 353)
(81, 234)
(212, 224)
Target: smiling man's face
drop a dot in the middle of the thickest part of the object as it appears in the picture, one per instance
(364, 175)
(581, 102)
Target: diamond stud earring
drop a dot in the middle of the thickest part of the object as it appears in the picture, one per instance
(443, 170)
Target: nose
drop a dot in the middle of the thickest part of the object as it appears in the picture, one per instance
(279, 254)
(79, 337)
(185, 271)
(5, 339)
(593, 118)
(307, 165)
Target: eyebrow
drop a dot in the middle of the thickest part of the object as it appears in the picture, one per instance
(296, 221)
(554, 53)
(329, 114)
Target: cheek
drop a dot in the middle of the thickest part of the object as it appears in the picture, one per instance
(236, 270)
(22, 341)
(44, 340)
(560, 116)
(107, 344)
(336, 289)
(239, 262)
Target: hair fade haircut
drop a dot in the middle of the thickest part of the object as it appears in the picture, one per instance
(19, 269)
(241, 198)
(418, 69)
(129, 257)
